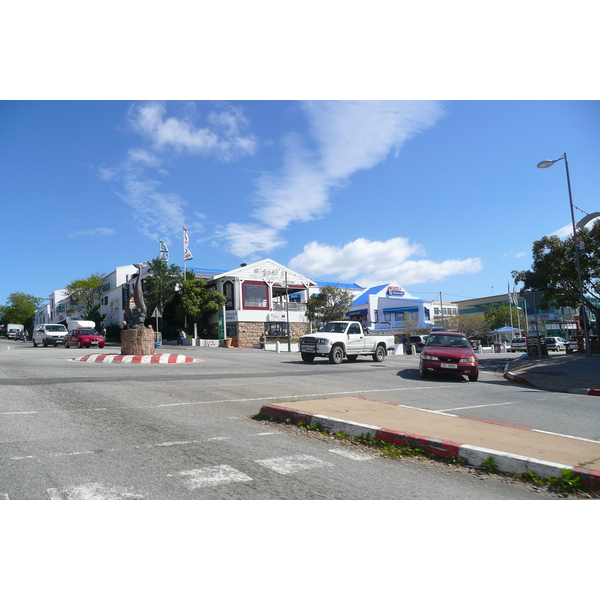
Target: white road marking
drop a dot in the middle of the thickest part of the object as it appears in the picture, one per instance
(92, 491)
(213, 476)
(352, 454)
(443, 410)
(286, 465)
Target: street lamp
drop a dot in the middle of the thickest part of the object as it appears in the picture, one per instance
(544, 165)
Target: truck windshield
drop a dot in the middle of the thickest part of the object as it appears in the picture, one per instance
(55, 328)
(334, 328)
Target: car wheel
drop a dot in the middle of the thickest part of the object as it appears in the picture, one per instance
(336, 355)
(352, 357)
(474, 376)
(100, 345)
(423, 374)
(66, 344)
(79, 344)
(379, 354)
(307, 358)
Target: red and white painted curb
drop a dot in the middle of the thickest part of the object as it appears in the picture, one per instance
(519, 379)
(153, 359)
(474, 455)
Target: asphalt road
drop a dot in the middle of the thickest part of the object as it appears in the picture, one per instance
(71, 430)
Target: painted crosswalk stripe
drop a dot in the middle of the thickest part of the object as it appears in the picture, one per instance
(352, 454)
(285, 465)
(212, 476)
(92, 491)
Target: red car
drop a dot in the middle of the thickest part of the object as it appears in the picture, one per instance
(84, 338)
(448, 352)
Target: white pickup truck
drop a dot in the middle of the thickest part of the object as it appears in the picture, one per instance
(340, 339)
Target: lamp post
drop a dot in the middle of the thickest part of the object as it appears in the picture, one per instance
(544, 165)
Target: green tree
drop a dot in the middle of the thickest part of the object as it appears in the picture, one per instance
(20, 309)
(472, 325)
(554, 271)
(160, 285)
(199, 302)
(498, 315)
(330, 304)
(85, 294)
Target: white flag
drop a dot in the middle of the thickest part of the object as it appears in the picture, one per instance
(187, 255)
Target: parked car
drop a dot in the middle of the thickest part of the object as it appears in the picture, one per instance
(518, 344)
(556, 343)
(51, 333)
(418, 341)
(448, 352)
(84, 338)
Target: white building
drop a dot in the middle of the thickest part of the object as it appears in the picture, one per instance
(390, 304)
(112, 301)
(259, 300)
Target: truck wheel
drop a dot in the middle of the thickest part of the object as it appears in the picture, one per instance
(352, 357)
(306, 357)
(35, 344)
(379, 354)
(336, 356)
(45, 343)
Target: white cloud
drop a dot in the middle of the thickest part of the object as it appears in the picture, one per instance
(358, 135)
(247, 239)
(225, 140)
(159, 214)
(346, 137)
(564, 232)
(372, 263)
(92, 232)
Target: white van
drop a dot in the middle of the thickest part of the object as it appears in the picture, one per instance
(51, 333)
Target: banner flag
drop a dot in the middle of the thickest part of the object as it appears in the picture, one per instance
(164, 251)
(187, 255)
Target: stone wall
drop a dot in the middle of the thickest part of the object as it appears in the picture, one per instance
(249, 333)
(137, 342)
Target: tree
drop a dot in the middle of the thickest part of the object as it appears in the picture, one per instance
(84, 295)
(161, 284)
(330, 304)
(473, 325)
(20, 309)
(199, 302)
(499, 315)
(554, 271)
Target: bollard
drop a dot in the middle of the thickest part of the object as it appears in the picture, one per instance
(277, 346)
(413, 349)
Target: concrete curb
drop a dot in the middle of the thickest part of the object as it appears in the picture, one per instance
(154, 359)
(520, 379)
(474, 455)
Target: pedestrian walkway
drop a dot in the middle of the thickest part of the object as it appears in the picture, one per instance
(513, 449)
(571, 373)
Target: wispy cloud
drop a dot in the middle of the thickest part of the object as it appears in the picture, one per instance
(224, 138)
(157, 213)
(373, 262)
(93, 232)
(345, 137)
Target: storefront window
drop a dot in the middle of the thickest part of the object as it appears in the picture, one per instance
(277, 329)
(255, 295)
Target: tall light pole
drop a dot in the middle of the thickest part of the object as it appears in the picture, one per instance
(544, 165)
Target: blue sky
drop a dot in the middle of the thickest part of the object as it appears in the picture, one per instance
(436, 195)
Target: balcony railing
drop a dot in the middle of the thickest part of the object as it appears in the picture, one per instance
(292, 306)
